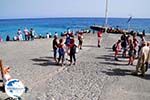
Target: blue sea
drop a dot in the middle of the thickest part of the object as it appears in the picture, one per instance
(45, 25)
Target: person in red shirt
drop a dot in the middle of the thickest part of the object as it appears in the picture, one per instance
(99, 35)
(72, 51)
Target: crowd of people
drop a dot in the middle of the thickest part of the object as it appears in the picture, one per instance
(29, 35)
(22, 35)
(133, 48)
(66, 48)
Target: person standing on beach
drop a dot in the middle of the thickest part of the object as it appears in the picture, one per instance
(55, 46)
(26, 33)
(99, 35)
(131, 53)
(32, 33)
(135, 44)
(143, 32)
(124, 44)
(128, 39)
(67, 42)
(142, 41)
(55, 34)
(67, 45)
(117, 49)
(19, 35)
(61, 51)
(144, 59)
(72, 51)
(48, 36)
(80, 38)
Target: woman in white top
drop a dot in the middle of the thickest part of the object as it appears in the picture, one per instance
(19, 34)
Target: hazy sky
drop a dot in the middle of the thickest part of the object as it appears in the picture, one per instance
(73, 8)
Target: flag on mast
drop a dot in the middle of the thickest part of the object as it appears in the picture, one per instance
(130, 18)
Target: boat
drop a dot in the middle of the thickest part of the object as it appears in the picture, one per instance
(114, 30)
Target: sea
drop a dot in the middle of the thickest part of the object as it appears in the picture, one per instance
(52, 25)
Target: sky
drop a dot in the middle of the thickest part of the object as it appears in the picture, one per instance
(73, 8)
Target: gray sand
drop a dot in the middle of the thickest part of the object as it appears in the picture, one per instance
(96, 76)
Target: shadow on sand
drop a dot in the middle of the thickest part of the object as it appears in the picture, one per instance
(10, 98)
(109, 58)
(117, 72)
(124, 72)
(44, 61)
(109, 49)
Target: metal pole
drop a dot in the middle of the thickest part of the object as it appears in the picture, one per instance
(129, 26)
(106, 15)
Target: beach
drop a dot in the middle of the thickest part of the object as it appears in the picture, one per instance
(96, 76)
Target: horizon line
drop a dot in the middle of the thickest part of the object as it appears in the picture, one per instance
(68, 17)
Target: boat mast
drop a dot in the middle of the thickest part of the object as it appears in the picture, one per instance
(106, 16)
(129, 26)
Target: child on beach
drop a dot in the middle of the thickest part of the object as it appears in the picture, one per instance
(117, 49)
(55, 46)
(61, 51)
(99, 35)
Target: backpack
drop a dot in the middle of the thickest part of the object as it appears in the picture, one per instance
(114, 47)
